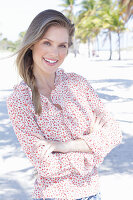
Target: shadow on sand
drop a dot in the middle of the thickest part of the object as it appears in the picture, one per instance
(8, 138)
(120, 159)
(11, 188)
(126, 83)
(14, 191)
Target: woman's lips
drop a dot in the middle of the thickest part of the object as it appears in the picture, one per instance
(51, 62)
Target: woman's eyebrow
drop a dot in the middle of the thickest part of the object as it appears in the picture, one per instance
(53, 41)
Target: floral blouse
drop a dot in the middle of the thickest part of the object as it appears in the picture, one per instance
(70, 175)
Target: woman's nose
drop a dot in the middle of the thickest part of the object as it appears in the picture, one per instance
(55, 51)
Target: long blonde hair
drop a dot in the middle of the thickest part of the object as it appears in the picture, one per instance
(35, 32)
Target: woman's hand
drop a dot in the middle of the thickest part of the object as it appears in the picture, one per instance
(49, 147)
(72, 145)
(98, 121)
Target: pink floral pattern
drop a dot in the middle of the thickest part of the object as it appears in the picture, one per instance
(71, 175)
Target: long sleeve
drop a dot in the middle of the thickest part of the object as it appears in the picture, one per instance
(24, 125)
(105, 139)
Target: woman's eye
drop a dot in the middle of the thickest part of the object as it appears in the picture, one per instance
(63, 46)
(47, 43)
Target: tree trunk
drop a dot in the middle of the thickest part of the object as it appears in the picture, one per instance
(92, 51)
(74, 46)
(72, 20)
(119, 46)
(89, 47)
(97, 45)
(110, 45)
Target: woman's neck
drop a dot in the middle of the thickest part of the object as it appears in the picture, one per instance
(45, 82)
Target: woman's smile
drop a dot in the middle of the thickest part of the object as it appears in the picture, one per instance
(50, 62)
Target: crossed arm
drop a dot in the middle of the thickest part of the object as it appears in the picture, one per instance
(100, 140)
(78, 145)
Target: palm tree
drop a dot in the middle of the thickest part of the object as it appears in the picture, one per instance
(127, 9)
(68, 6)
(89, 5)
(112, 21)
(105, 13)
(118, 27)
(89, 25)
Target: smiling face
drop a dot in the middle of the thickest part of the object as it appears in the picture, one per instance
(50, 52)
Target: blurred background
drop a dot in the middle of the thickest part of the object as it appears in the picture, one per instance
(104, 28)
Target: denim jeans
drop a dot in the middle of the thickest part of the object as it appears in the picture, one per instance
(95, 197)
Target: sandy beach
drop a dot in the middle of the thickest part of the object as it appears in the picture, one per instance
(113, 81)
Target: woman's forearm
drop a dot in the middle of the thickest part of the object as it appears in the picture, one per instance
(77, 145)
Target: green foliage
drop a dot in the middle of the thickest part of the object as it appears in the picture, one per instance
(89, 24)
(6, 44)
(97, 15)
(111, 17)
(93, 17)
(126, 7)
(68, 6)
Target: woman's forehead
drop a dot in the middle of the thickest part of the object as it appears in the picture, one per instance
(56, 33)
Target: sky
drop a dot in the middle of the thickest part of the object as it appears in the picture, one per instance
(16, 15)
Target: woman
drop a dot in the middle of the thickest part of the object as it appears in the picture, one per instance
(59, 120)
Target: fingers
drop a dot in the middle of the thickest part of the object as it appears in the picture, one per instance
(37, 135)
(98, 121)
(47, 151)
(39, 143)
(48, 148)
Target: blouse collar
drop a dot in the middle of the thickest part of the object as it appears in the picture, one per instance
(22, 86)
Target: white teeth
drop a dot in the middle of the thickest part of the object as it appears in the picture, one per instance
(50, 61)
